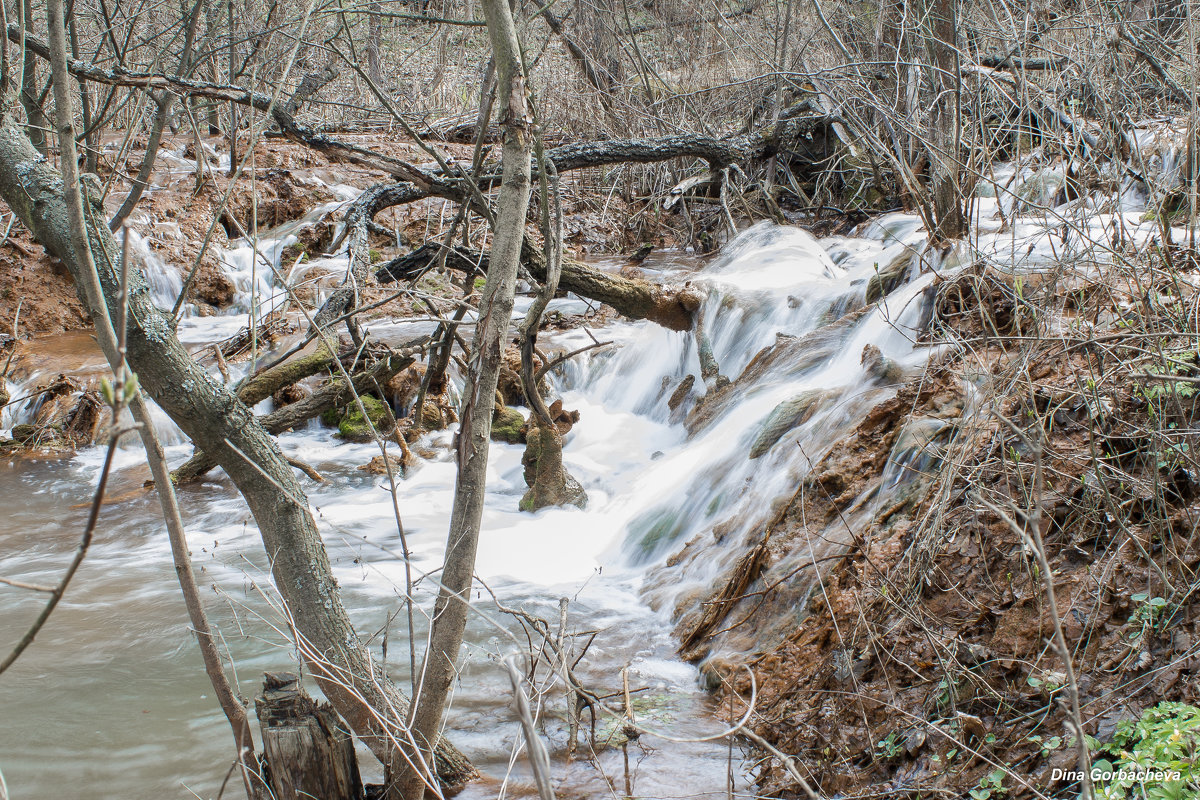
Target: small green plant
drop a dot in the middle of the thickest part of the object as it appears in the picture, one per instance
(990, 785)
(1048, 746)
(950, 755)
(480, 282)
(892, 746)
(1149, 609)
(1158, 389)
(947, 692)
(1154, 757)
(1048, 682)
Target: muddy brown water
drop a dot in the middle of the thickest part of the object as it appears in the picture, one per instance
(111, 700)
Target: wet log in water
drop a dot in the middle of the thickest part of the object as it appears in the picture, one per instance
(669, 306)
(332, 395)
(307, 751)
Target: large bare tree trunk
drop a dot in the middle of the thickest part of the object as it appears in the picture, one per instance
(374, 37)
(221, 425)
(495, 314)
(940, 29)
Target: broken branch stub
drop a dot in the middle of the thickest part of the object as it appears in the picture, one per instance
(307, 751)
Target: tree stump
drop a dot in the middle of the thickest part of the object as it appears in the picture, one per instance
(308, 754)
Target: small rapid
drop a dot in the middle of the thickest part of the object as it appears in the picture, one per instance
(120, 675)
(682, 467)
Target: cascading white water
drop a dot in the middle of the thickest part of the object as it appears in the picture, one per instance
(769, 282)
(632, 457)
(165, 281)
(254, 264)
(114, 686)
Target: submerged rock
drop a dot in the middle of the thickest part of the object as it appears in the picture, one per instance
(564, 420)
(435, 416)
(23, 434)
(33, 437)
(83, 420)
(681, 392)
(211, 287)
(312, 238)
(353, 426)
(914, 452)
(880, 366)
(508, 425)
(889, 276)
(786, 416)
(402, 466)
(404, 387)
(1043, 189)
(293, 393)
(509, 383)
(67, 416)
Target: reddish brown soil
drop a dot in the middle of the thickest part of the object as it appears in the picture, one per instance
(40, 285)
(921, 661)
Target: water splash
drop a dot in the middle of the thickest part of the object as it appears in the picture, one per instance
(164, 280)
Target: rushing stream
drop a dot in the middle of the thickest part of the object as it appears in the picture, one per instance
(111, 700)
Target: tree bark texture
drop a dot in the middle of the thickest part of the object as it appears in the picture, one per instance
(333, 395)
(308, 752)
(940, 28)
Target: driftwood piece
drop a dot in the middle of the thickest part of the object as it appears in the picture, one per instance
(694, 636)
(238, 346)
(307, 751)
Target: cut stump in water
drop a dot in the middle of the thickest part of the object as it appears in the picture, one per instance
(308, 751)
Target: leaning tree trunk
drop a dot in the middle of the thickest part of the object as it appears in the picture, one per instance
(221, 425)
(495, 314)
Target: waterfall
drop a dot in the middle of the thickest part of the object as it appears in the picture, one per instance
(787, 322)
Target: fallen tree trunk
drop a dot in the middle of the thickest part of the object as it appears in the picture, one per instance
(222, 425)
(671, 307)
(803, 121)
(292, 415)
(261, 385)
